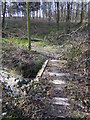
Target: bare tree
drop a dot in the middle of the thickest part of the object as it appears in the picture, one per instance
(28, 26)
(77, 11)
(49, 12)
(82, 13)
(62, 5)
(4, 11)
(58, 15)
(64, 11)
(68, 17)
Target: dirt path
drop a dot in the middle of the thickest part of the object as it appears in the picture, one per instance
(49, 51)
(56, 76)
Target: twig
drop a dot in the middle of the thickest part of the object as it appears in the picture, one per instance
(64, 35)
(70, 34)
(81, 27)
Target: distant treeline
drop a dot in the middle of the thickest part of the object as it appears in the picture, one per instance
(76, 11)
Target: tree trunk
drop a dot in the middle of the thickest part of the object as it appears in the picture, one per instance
(61, 11)
(71, 11)
(65, 12)
(68, 18)
(77, 11)
(58, 15)
(82, 13)
(33, 15)
(4, 11)
(49, 13)
(28, 26)
(37, 14)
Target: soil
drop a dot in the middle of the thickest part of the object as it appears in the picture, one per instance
(22, 60)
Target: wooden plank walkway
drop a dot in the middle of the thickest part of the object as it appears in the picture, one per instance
(55, 75)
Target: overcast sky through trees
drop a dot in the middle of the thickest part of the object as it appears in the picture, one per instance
(41, 1)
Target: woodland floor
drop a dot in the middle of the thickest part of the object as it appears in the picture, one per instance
(62, 91)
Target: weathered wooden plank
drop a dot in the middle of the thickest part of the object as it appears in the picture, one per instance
(40, 73)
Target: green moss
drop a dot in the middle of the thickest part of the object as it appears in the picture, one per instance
(74, 114)
(43, 44)
(72, 86)
(16, 41)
